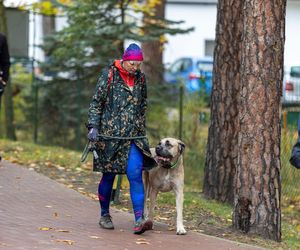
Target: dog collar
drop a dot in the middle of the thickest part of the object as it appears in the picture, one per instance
(172, 165)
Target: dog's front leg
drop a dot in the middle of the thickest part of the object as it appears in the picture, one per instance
(179, 207)
(152, 195)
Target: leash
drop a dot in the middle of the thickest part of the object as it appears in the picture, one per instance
(91, 146)
(108, 137)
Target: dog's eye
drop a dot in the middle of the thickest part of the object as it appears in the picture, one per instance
(168, 143)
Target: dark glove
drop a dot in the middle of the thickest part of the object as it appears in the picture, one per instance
(93, 134)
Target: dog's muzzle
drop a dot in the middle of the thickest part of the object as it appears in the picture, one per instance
(163, 161)
(164, 158)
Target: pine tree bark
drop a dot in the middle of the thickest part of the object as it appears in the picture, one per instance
(152, 50)
(8, 95)
(221, 153)
(257, 187)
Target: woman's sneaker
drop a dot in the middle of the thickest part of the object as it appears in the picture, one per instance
(106, 222)
(142, 225)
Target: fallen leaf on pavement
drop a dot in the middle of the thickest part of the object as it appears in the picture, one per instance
(48, 206)
(157, 232)
(62, 230)
(95, 237)
(142, 242)
(45, 228)
(69, 242)
(4, 244)
(55, 214)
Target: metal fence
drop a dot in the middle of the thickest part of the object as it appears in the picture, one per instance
(290, 176)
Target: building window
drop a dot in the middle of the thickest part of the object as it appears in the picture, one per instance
(209, 47)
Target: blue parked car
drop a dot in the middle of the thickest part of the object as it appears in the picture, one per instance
(196, 73)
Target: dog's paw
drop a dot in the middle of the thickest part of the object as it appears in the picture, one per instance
(181, 231)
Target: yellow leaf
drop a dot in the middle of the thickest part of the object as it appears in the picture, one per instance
(298, 228)
(65, 2)
(45, 228)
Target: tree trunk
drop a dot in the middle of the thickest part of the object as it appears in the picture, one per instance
(8, 97)
(257, 187)
(152, 50)
(221, 153)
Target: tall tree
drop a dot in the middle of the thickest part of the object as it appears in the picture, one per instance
(153, 50)
(246, 140)
(221, 153)
(257, 186)
(8, 96)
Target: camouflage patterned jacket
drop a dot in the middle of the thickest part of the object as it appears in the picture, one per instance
(119, 112)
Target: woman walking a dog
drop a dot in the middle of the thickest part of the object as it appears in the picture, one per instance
(116, 123)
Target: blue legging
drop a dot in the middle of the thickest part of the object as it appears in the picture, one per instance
(134, 175)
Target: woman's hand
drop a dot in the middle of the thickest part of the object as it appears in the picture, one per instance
(93, 134)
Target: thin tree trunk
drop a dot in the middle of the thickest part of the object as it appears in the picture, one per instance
(8, 97)
(221, 153)
(257, 187)
(152, 50)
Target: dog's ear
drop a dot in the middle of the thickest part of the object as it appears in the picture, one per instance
(181, 146)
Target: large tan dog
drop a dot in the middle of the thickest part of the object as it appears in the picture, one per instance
(167, 176)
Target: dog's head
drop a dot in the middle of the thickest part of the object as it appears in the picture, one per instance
(167, 150)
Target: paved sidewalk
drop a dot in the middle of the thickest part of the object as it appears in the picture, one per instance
(39, 213)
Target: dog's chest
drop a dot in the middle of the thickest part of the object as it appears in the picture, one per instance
(165, 182)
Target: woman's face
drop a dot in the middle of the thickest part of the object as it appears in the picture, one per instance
(132, 66)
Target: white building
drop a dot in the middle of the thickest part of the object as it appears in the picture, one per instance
(201, 14)
(292, 35)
